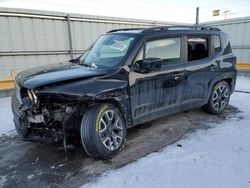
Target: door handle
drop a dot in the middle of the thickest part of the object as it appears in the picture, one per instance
(178, 75)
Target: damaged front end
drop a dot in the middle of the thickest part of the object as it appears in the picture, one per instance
(43, 120)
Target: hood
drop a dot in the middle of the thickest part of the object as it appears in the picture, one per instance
(54, 73)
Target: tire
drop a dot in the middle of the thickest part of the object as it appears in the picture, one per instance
(219, 98)
(103, 135)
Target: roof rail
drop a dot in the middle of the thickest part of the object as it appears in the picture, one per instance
(125, 29)
(164, 28)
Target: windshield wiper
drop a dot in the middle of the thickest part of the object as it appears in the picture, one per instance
(87, 65)
(77, 61)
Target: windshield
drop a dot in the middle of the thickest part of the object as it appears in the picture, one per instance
(108, 51)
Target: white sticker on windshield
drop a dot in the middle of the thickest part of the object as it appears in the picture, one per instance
(118, 46)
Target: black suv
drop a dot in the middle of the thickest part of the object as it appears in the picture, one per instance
(127, 77)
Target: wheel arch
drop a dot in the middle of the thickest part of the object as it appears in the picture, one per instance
(122, 103)
(230, 78)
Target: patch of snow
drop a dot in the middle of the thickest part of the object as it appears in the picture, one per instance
(3, 180)
(61, 165)
(6, 118)
(12, 166)
(243, 83)
(31, 176)
(52, 167)
(217, 157)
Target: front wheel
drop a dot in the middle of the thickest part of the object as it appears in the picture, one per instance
(219, 98)
(103, 131)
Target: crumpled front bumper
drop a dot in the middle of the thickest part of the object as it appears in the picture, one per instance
(32, 128)
(20, 118)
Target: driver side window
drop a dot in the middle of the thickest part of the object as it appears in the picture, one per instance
(168, 49)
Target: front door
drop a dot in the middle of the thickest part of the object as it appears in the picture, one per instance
(158, 92)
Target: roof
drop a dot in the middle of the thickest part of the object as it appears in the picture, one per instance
(160, 29)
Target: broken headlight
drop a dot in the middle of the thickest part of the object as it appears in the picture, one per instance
(32, 96)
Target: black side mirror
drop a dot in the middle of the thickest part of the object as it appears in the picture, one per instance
(76, 60)
(148, 64)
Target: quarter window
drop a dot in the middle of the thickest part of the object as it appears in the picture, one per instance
(168, 50)
(217, 44)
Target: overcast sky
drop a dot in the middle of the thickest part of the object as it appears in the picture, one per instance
(165, 10)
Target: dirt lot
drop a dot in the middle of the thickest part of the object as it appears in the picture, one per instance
(27, 164)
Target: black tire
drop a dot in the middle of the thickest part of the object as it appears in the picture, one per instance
(91, 133)
(216, 106)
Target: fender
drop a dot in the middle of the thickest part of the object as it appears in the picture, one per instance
(220, 77)
(92, 92)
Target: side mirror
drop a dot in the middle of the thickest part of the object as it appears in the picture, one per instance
(148, 64)
(76, 60)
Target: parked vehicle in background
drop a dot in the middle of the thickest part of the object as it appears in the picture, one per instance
(127, 77)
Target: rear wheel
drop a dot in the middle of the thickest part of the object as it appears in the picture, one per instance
(103, 131)
(219, 98)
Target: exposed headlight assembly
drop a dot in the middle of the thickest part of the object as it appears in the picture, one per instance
(32, 96)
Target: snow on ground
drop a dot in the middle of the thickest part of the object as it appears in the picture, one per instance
(3, 179)
(6, 118)
(243, 84)
(217, 157)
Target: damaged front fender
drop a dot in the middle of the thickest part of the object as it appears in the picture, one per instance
(91, 92)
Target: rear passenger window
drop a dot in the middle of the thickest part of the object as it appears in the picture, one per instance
(198, 48)
(168, 50)
(217, 44)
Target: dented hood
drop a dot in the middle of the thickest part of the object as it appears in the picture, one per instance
(55, 73)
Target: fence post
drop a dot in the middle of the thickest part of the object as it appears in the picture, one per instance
(197, 17)
(70, 37)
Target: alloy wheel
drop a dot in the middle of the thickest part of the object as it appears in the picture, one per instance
(110, 130)
(220, 97)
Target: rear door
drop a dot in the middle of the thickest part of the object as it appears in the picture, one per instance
(201, 68)
(158, 92)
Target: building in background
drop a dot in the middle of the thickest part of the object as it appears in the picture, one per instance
(31, 38)
(239, 33)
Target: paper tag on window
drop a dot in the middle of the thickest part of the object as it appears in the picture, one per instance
(118, 46)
